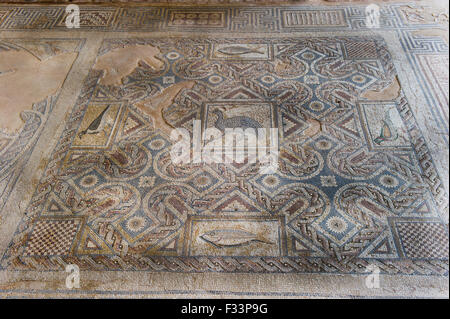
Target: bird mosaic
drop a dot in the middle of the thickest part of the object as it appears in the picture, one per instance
(388, 131)
(98, 125)
(234, 122)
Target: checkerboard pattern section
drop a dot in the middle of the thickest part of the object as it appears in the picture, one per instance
(52, 237)
(361, 50)
(423, 239)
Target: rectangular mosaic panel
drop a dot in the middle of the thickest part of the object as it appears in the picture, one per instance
(32, 18)
(436, 72)
(350, 171)
(305, 18)
(91, 18)
(189, 18)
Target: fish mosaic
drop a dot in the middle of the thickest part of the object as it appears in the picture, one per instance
(232, 238)
(239, 50)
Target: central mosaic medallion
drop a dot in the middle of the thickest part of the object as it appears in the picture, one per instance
(349, 189)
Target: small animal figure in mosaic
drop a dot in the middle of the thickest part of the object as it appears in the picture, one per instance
(97, 125)
(388, 131)
(239, 50)
(234, 122)
(232, 238)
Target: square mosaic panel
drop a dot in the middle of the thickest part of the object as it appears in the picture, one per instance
(52, 237)
(347, 166)
(19, 58)
(422, 238)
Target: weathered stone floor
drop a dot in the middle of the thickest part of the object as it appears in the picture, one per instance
(86, 176)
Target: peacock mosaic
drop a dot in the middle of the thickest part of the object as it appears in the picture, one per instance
(351, 187)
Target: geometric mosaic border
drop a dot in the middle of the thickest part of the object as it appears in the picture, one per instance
(244, 20)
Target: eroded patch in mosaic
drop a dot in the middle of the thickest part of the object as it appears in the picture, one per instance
(350, 188)
(32, 73)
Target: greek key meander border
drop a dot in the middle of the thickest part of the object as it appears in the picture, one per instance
(391, 17)
(272, 265)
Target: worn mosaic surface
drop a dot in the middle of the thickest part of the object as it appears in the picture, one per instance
(356, 183)
(349, 186)
(21, 61)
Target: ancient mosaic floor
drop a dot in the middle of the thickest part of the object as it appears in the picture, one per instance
(86, 176)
